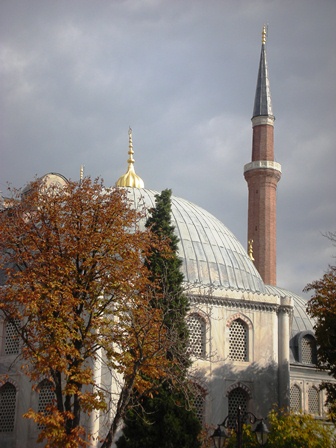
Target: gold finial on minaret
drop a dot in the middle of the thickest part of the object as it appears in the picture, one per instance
(81, 173)
(250, 249)
(264, 34)
(130, 178)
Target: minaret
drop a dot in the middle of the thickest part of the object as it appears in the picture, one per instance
(262, 176)
(130, 178)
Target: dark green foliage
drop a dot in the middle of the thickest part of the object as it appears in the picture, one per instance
(163, 268)
(164, 424)
(165, 420)
(166, 271)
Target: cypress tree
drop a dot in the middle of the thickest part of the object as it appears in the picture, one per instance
(165, 269)
(165, 419)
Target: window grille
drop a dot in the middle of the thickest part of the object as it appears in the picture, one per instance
(11, 346)
(237, 397)
(7, 407)
(196, 327)
(238, 341)
(199, 404)
(308, 350)
(295, 399)
(313, 401)
(45, 399)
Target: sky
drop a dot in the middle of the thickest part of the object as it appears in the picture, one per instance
(75, 74)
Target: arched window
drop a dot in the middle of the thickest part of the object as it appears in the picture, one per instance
(199, 404)
(313, 401)
(308, 350)
(295, 399)
(238, 341)
(196, 327)
(237, 398)
(7, 407)
(46, 398)
(11, 338)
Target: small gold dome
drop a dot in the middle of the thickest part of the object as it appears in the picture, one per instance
(130, 178)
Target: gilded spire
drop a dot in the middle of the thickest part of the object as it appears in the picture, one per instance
(250, 249)
(130, 147)
(130, 178)
(81, 173)
(264, 34)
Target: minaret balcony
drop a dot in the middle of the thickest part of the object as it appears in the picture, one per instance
(262, 164)
(263, 119)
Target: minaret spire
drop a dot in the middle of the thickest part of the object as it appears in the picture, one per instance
(262, 176)
(130, 178)
(262, 101)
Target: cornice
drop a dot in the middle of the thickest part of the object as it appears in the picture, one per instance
(286, 310)
(234, 303)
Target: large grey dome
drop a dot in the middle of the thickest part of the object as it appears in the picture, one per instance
(211, 254)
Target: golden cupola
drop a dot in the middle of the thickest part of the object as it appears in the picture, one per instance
(130, 178)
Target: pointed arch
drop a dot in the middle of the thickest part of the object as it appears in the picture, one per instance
(7, 407)
(239, 396)
(199, 402)
(11, 340)
(242, 317)
(242, 386)
(308, 349)
(197, 334)
(239, 338)
(305, 347)
(295, 398)
(314, 401)
(46, 398)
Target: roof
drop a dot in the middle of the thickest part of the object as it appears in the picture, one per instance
(211, 254)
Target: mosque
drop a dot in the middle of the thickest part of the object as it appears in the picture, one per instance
(252, 342)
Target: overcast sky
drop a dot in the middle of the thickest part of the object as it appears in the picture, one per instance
(75, 74)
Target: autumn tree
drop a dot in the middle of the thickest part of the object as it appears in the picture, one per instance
(322, 307)
(289, 430)
(77, 292)
(168, 415)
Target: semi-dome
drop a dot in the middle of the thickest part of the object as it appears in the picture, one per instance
(301, 321)
(301, 324)
(211, 254)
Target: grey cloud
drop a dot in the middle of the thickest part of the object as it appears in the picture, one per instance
(76, 74)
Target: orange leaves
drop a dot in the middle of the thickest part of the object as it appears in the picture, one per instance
(76, 280)
(53, 425)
